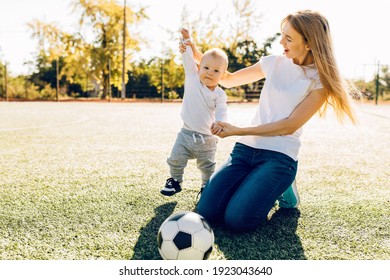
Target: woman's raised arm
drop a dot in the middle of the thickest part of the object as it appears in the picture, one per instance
(243, 76)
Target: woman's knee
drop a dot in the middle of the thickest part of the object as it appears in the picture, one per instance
(236, 222)
(242, 221)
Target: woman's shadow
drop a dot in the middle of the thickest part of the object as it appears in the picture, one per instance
(275, 239)
(146, 246)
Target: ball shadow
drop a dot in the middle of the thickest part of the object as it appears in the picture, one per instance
(275, 239)
(146, 246)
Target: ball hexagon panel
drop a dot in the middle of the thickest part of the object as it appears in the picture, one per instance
(182, 240)
(208, 253)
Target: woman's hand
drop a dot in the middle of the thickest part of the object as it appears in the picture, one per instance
(185, 34)
(185, 40)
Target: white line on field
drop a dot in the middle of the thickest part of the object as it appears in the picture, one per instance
(83, 119)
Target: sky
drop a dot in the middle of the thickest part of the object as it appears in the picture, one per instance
(357, 27)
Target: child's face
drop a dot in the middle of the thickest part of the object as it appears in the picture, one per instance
(211, 70)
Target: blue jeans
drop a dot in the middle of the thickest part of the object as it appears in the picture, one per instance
(244, 190)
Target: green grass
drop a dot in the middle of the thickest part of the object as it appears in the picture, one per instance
(82, 181)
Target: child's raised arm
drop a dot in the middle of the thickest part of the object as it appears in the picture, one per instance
(186, 41)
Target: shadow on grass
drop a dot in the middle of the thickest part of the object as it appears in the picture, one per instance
(146, 246)
(275, 239)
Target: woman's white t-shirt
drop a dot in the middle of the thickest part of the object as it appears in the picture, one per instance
(286, 85)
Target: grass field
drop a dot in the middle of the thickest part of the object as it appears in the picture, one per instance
(82, 180)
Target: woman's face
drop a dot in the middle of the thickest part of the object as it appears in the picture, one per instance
(294, 45)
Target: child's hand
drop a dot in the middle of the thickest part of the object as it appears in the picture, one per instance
(182, 47)
(216, 129)
(224, 129)
(185, 40)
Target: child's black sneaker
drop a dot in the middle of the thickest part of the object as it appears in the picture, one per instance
(172, 186)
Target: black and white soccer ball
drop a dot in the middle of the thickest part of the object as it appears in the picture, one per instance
(185, 236)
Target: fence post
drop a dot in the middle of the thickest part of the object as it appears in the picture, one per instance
(162, 80)
(123, 93)
(5, 82)
(58, 81)
(109, 80)
(377, 85)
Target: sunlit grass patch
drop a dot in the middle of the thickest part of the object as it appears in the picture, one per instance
(82, 181)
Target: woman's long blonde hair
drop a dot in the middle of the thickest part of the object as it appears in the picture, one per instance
(315, 31)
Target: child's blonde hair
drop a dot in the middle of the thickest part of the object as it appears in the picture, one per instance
(216, 52)
(314, 28)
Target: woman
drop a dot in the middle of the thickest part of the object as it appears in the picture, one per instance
(263, 163)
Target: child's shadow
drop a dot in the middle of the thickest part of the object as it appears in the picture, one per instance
(275, 239)
(146, 246)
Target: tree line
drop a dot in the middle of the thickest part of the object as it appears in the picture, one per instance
(89, 62)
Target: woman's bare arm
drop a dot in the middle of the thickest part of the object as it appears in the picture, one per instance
(302, 113)
(243, 76)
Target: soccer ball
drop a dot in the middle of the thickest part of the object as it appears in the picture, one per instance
(185, 236)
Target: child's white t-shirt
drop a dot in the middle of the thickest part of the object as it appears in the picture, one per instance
(286, 85)
(201, 106)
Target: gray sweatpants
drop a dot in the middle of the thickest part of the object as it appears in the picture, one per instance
(193, 145)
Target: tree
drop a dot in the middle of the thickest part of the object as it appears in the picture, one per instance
(140, 85)
(164, 75)
(385, 79)
(234, 33)
(380, 83)
(247, 53)
(2, 80)
(82, 60)
(243, 23)
(50, 48)
(224, 30)
(105, 17)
